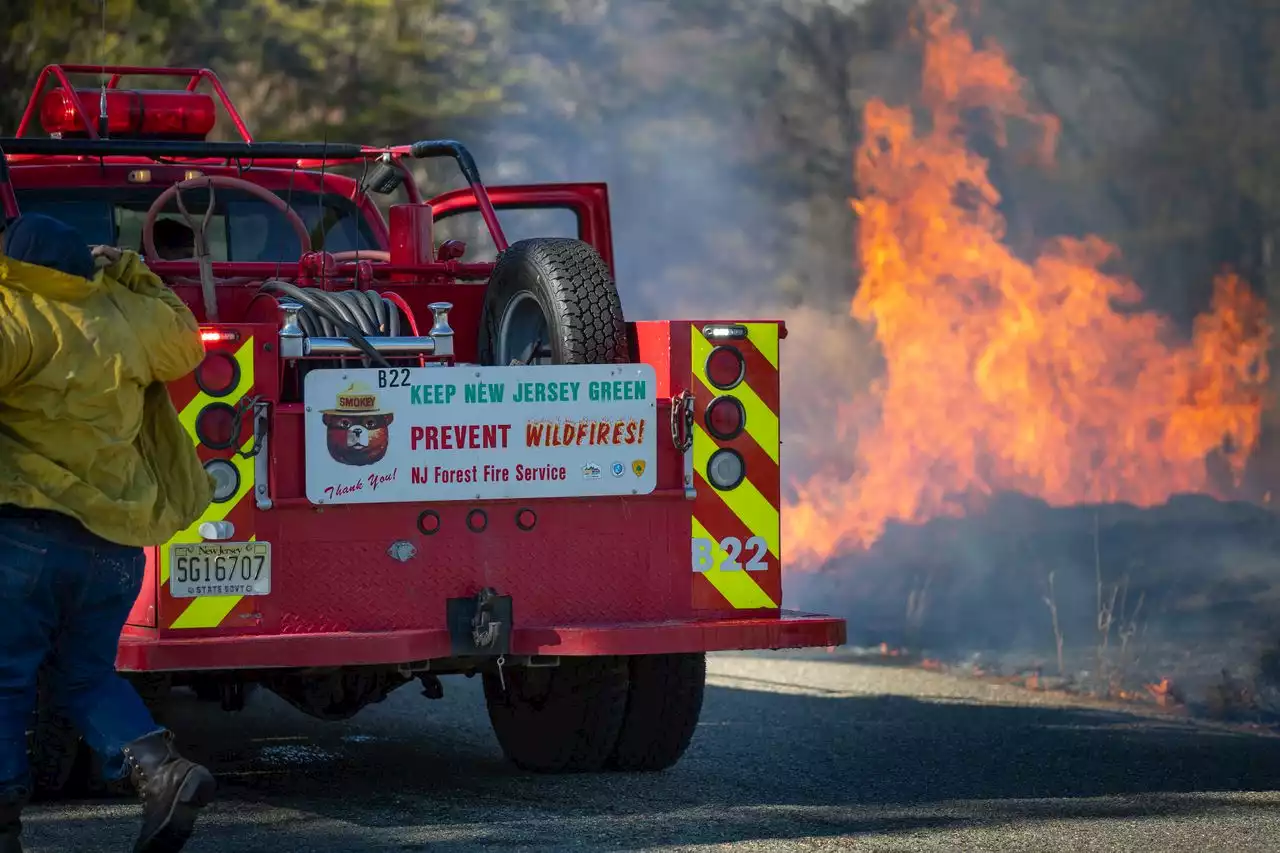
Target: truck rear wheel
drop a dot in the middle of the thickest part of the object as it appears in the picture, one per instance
(552, 300)
(664, 702)
(562, 719)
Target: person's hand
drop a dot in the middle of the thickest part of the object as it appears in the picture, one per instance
(104, 256)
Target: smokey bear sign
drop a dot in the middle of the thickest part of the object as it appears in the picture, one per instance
(480, 433)
(356, 431)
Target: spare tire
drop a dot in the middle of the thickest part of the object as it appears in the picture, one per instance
(555, 293)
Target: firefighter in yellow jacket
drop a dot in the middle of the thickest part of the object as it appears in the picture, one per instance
(94, 464)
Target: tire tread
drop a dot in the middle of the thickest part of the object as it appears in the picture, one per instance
(585, 298)
(664, 703)
(574, 728)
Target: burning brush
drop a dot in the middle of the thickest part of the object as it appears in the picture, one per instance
(1041, 377)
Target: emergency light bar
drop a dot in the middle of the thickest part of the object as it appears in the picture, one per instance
(130, 114)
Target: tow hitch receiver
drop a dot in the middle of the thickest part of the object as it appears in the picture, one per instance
(480, 625)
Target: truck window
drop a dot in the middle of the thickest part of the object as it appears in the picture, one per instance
(242, 228)
(517, 224)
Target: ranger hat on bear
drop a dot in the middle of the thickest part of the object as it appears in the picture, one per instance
(357, 399)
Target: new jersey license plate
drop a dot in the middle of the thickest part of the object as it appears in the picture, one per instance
(219, 568)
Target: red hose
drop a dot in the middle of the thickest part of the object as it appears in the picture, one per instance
(398, 301)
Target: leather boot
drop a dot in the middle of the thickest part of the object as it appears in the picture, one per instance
(173, 790)
(11, 824)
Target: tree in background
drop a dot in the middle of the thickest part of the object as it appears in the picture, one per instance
(374, 70)
(726, 127)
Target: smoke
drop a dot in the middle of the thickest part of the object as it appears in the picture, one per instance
(726, 134)
(724, 131)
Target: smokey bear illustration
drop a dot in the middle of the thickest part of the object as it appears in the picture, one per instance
(357, 429)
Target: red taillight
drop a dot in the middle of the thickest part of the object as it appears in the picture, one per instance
(218, 374)
(219, 336)
(726, 418)
(170, 115)
(725, 367)
(218, 426)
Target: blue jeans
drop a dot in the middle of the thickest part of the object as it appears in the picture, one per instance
(64, 597)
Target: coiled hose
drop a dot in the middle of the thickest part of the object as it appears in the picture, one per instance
(350, 314)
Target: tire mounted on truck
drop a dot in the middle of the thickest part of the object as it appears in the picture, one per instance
(554, 301)
(552, 298)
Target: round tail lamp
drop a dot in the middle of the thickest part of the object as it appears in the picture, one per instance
(218, 426)
(226, 479)
(218, 374)
(726, 470)
(726, 418)
(725, 367)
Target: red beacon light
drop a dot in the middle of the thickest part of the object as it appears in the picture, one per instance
(130, 114)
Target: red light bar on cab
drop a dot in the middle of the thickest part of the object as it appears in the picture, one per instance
(132, 114)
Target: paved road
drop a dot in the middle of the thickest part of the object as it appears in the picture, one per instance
(795, 752)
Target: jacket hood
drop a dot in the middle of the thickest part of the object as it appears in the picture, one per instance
(46, 256)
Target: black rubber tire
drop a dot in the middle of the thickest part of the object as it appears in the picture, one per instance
(562, 719)
(577, 295)
(664, 703)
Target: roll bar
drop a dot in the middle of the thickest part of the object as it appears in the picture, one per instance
(274, 154)
(186, 149)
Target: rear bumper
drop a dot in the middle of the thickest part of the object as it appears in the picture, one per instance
(788, 631)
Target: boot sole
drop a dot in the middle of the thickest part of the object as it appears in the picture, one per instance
(195, 793)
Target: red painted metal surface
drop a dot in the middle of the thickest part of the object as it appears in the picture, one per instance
(332, 572)
(412, 229)
(141, 652)
(143, 614)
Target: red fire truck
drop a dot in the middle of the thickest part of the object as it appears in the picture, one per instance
(429, 460)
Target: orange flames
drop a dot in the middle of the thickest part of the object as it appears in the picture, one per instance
(1041, 377)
